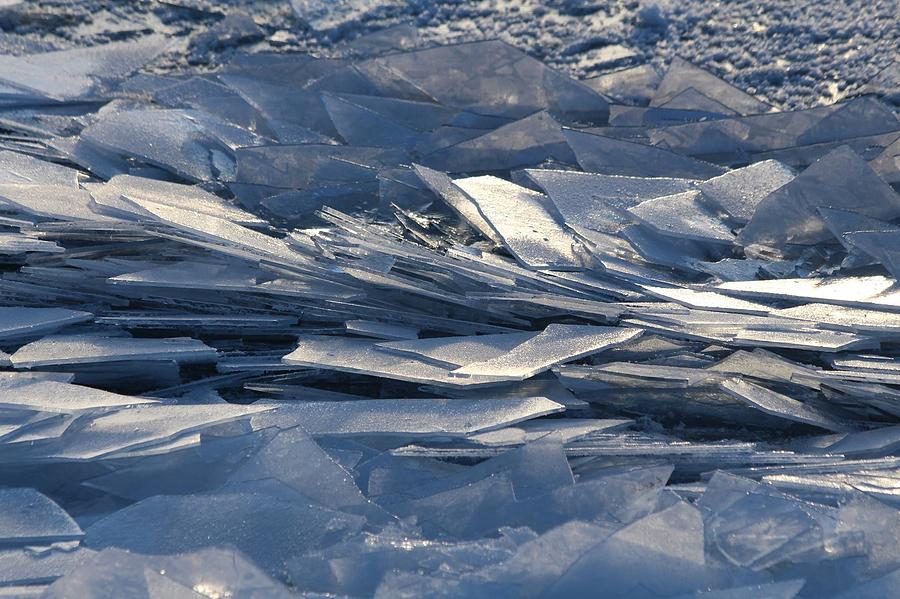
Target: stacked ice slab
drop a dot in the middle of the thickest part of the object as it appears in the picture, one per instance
(442, 322)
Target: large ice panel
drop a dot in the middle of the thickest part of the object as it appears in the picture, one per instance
(410, 417)
(599, 202)
(491, 77)
(840, 179)
(521, 219)
(599, 154)
(738, 192)
(780, 405)
(558, 343)
(29, 517)
(657, 555)
(91, 349)
(682, 76)
(684, 216)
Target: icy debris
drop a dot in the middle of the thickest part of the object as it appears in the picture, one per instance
(441, 321)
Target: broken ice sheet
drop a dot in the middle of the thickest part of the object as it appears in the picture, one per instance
(68, 74)
(27, 516)
(599, 202)
(22, 322)
(558, 343)
(781, 405)
(408, 417)
(56, 396)
(188, 197)
(55, 202)
(569, 429)
(138, 427)
(275, 523)
(599, 154)
(671, 540)
(841, 179)
(684, 216)
(453, 352)
(682, 75)
(521, 219)
(91, 348)
(442, 185)
(492, 77)
(532, 140)
(22, 169)
(738, 192)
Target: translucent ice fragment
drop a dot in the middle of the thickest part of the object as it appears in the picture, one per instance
(21, 169)
(188, 197)
(310, 165)
(141, 426)
(441, 184)
(599, 202)
(266, 520)
(459, 351)
(21, 321)
(683, 75)
(491, 77)
(659, 554)
(296, 460)
(360, 126)
(178, 140)
(841, 179)
(81, 71)
(380, 330)
(683, 215)
(55, 396)
(345, 354)
(780, 405)
(598, 154)
(558, 343)
(27, 516)
(569, 429)
(532, 140)
(787, 589)
(92, 349)
(634, 85)
(521, 219)
(738, 192)
(412, 417)
(30, 569)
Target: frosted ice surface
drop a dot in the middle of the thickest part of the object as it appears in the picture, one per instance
(521, 219)
(840, 179)
(459, 351)
(88, 349)
(558, 343)
(21, 169)
(359, 356)
(21, 322)
(738, 192)
(683, 215)
(780, 405)
(78, 72)
(28, 517)
(417, 417)
(682, 76)
(599, 154)
(56, 396)
(597, 201)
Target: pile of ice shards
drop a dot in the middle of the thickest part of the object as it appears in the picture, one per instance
(441, 322)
